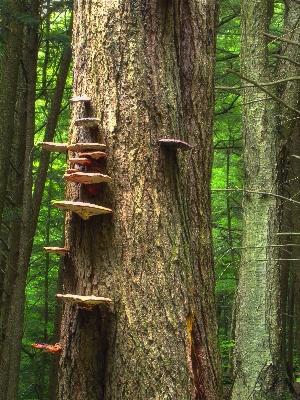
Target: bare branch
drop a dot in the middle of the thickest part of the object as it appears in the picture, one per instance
(258, 85)
(282, 39)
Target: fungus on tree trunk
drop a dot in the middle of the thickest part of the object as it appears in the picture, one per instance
(77, 99)
(51, 146)
(84, 210)
(87, 177)
(89, 122)
(60, 251)
(174, 144)
(81, 161)
(86, 146)
(94, 155)
(86, 302)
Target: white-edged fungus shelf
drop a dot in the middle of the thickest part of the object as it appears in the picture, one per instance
(76, 99)
(84, 210)
(54, 147)
(175, 144)
(88, 122)
(87, 177)
(87, 302)
(86, 146)
(60, 251)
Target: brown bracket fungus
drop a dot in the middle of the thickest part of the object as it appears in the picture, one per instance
(71, 170)
(77, 99)
(175, 144)
(94, 155)
(81, 161)
(88, 122)
(51, 146)
(87, 302)
(86, 146)
(47, 348)
(87, 177)
(84, 210)
(60, 251)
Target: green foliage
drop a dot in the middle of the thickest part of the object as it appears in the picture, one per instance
(27, 19)
(227, 169)
(227, 174)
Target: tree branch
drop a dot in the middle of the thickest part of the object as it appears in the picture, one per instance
(257, 192)
(282, 39)
(258, 85)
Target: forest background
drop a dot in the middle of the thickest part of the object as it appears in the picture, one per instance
(47, 53)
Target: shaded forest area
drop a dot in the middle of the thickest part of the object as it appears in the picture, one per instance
(254, 193)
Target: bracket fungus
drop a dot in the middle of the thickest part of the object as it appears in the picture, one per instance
(94, 155)
(84, 210)
(87, 302)
(175, 144)
(47, 348)
(81, 161)
(51, 146)
(87, 177)
(60, 251)
(77, 99)
(88, 122)
(86, 146)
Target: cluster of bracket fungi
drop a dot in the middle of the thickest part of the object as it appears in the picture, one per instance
(87, 155)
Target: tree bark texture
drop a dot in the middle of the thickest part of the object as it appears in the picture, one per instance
(259, 370)
(8, 90)
(148, 67)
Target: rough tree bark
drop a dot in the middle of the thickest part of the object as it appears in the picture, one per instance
(259, 367)
(148, 67)
(10, 60)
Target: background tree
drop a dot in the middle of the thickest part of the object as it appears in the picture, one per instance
(25, 193)
(259, 370)
(148, 68)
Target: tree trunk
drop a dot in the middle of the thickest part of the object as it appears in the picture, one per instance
(11, 351)
(259, 367)
(148, 67)
(10, 57)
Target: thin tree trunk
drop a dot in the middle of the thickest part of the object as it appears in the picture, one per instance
(148, 67)
(54, 364)
(8, 88)
(15, 193)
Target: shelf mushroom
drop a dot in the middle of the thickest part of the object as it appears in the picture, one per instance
(77, 99)
(86, 146)
(87, 302)
(175, 144)
(93, 155)
(60, 251)
(89, 122)
(84, 210)
(87, 177)
(55, 147)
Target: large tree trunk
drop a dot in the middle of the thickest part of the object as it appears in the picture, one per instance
(259, 367)
(148, 67)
